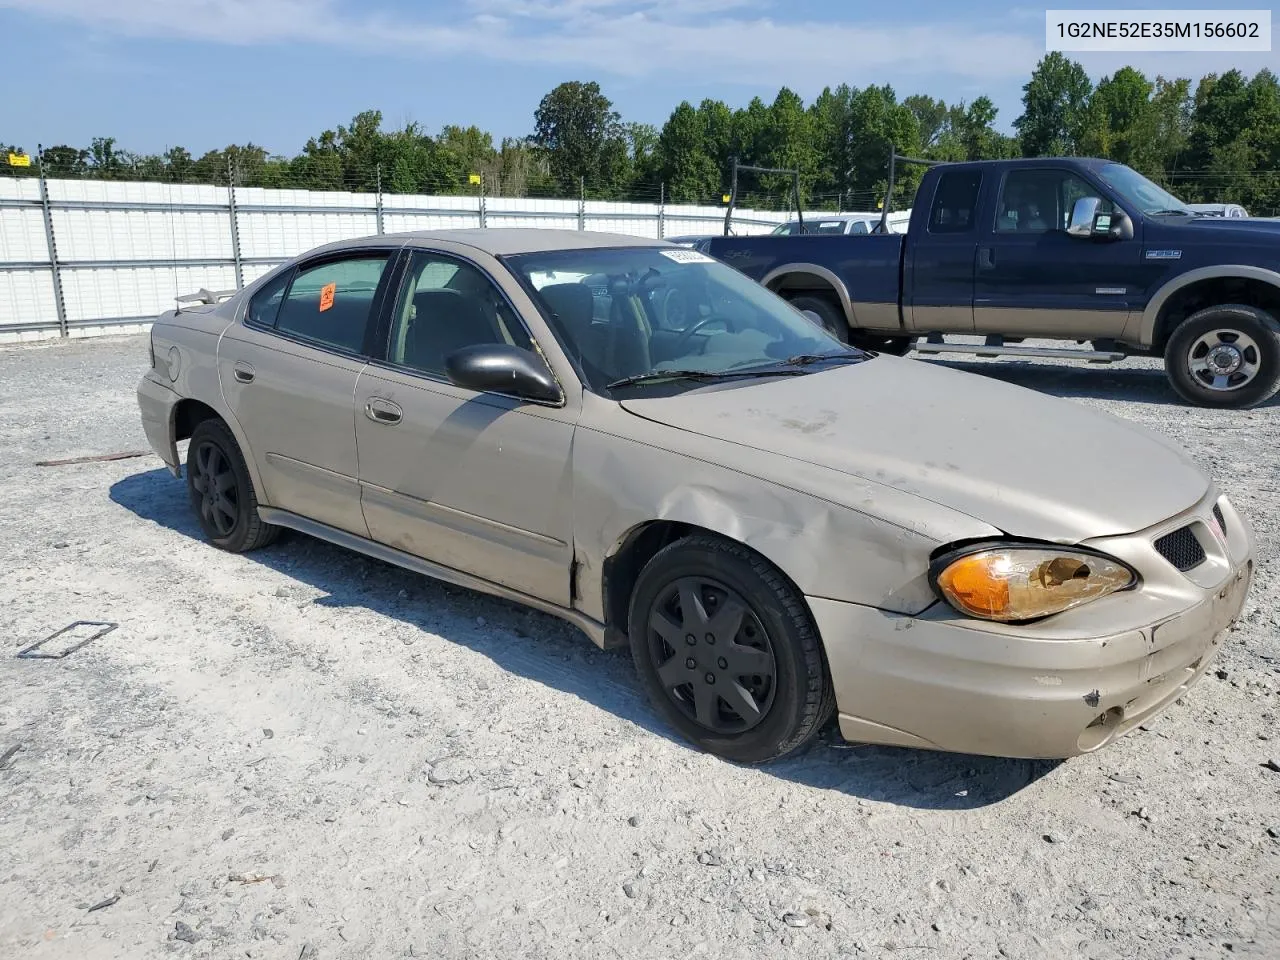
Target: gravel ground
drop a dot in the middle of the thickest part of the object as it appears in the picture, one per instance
(303, 753)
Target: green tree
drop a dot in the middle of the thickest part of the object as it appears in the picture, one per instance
(787, 143)
(1054, 102)
(878, 120)
(582, 135)
(686, 166)
(65, 161)
(1115, 116)
(642, 148)
(1160, 136)
(933, 116)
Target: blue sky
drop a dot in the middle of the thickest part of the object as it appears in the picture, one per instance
(204, 73)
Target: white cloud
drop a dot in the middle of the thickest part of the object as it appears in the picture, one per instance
(706, 40)
(701, 41)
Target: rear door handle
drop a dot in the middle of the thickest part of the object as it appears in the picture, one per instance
(986, 258)
(242, 371)
(382, 411)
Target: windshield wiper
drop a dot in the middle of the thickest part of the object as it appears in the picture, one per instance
(657, 376)
(1172, 213)
(804, 359)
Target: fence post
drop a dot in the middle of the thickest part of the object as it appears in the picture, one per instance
(235, 226)
(484, 213)
(662, 209)
(55, 272)
(379, 202)
(582, 203)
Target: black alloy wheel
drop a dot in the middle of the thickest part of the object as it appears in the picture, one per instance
(712, 655)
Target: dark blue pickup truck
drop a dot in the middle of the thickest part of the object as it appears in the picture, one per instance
(1080, 250)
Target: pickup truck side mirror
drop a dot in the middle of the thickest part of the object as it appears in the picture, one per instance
(1087, 222)
(1084, 214)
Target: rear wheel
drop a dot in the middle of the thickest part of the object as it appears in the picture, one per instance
(727, 651)
(828, 313)
(221, 492)
(834, 322)
(1225, 356)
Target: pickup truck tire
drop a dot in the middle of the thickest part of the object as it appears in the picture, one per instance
(1225, 356)
(834, 322)
(832, 318)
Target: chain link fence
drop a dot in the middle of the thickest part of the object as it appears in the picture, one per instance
(97, 254)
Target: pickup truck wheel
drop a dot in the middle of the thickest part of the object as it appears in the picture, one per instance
(897, 346)
(727, 651)
(836, 325)
(1225, 356)
(833, 320)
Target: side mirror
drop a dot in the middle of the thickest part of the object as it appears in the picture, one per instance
(502, 368)
(1083, 215)
(1086, 221)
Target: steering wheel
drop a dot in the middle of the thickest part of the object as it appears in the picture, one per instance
(697, 326)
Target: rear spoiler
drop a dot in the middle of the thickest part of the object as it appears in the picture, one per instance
(204, 296)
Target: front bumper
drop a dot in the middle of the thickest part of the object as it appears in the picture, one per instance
(1058, 688)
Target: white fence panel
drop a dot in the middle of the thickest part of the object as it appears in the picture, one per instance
(126, 250)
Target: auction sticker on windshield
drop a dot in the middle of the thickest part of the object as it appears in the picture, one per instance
(687, 256)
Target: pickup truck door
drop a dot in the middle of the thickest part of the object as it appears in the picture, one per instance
(1033, 279)
(940, 258)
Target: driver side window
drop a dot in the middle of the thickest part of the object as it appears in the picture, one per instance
(445, 305)
(1040, 201)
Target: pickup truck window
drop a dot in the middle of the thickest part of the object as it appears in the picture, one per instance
(1038, 201)
(1137, 190)
(954, 202)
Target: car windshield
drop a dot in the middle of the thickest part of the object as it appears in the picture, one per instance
(641, 312)
(1140, 192)
(810, 226)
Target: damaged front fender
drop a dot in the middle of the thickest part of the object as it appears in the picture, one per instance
(834, 536)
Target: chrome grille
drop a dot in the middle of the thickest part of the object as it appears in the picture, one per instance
(1181, 548)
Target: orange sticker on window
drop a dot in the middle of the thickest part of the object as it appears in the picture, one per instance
(326, 296)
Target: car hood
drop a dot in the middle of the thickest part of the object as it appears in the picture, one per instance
(1028, 464)
(1218, 230)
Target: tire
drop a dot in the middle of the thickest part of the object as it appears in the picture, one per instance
(732, 655)
(829, 313)
(1243, 339)
(229, 514)
(836, 325)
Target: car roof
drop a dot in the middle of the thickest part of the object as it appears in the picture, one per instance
(500, 241)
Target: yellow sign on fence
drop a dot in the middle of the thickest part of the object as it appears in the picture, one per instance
(473, 178)
(19, 160)
(724, 198)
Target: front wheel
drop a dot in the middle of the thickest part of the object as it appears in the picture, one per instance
(727, 651)
(1225, 356)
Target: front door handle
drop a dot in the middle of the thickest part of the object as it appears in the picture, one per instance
(986, 258)
(382, 411)
(242, 371)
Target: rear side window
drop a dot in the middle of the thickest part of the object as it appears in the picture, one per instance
(265, 304)
(332, 303)
(955, 202)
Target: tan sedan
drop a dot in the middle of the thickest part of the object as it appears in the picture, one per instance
(635, 437)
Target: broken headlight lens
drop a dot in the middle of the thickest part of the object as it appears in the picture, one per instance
(1010, 582)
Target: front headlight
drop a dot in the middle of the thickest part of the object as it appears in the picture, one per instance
(1010, 582)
